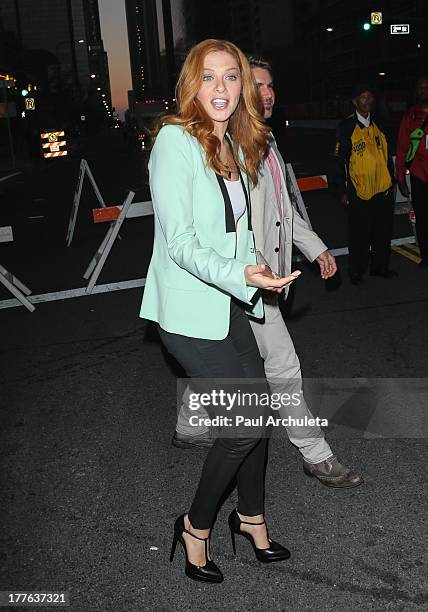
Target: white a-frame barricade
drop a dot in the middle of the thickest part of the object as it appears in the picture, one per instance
(13, 284)
(296, 186)
(84, 169)
(97, 262)
(117, 214)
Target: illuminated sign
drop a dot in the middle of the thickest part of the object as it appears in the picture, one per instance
(400, 28)
(376, 18)
(53, 144)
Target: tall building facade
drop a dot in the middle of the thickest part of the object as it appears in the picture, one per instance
(144, 49)
(97, 56)
(260, 27)
(68, 30)
(256, 26)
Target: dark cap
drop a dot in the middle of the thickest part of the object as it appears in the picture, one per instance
(360, 88)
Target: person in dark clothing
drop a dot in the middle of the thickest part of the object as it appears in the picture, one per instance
(362, 180)
(412, 156)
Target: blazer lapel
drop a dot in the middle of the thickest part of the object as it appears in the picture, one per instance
(272, 143)
(228, 210)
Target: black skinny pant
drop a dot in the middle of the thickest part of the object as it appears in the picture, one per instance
(237, 356)
(420, 206)
(370, 231)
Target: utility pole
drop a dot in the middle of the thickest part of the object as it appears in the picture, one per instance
(6, 110)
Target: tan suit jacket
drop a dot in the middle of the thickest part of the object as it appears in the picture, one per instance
(275, 233)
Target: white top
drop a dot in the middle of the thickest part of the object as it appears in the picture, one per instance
(237, 197)
(364, 120)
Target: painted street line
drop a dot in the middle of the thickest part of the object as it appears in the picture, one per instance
(4, 178)
(73, 293)
(133, 284)
(409, 251)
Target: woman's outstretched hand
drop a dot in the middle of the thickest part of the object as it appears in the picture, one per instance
(261, 276)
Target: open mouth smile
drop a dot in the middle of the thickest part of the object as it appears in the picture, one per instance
(220, 103)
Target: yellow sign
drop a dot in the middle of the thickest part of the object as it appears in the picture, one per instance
(53, 137)
(376, 18)
(30, 104)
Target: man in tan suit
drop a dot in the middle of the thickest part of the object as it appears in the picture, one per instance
(276, 227)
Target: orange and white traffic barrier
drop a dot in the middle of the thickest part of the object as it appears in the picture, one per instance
(111, 213)
(46, 145)
(55, 154)
(54, 144)
(296, 186)
(52, 134)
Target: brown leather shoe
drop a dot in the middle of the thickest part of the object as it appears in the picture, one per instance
(203, 441)
(333, 474)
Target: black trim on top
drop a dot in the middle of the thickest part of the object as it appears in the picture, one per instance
(247, 198)
(228, 209)
(229, 216)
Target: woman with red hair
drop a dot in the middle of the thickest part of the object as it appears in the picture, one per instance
(203, 277)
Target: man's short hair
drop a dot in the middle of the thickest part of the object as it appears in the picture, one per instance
(256, 61)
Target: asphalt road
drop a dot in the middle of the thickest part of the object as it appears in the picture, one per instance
(91, 484)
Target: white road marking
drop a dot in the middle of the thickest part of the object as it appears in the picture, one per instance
(4, 178)
(133, 284)
(73, 293)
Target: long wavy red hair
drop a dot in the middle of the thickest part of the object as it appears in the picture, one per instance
(246, 125)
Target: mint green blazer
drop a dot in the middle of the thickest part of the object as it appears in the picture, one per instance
(197, 262)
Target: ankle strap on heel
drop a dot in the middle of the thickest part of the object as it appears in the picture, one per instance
(247, 523)
(195, 536)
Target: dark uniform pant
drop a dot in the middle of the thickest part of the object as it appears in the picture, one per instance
(420, 206)
(370, 231)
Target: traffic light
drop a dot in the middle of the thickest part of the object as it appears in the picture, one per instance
(366, 26)
(24, 92)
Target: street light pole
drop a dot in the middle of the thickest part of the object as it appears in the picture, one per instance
(12, 151)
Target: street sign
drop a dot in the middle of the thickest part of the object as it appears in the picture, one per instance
(30, 104)
(53, 144)
(376, 18)
(400, 28)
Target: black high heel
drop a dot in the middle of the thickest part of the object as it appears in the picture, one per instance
(275, 552)
(205, 573)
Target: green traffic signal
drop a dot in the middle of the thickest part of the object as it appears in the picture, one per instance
(24, 92)
(366, 26)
